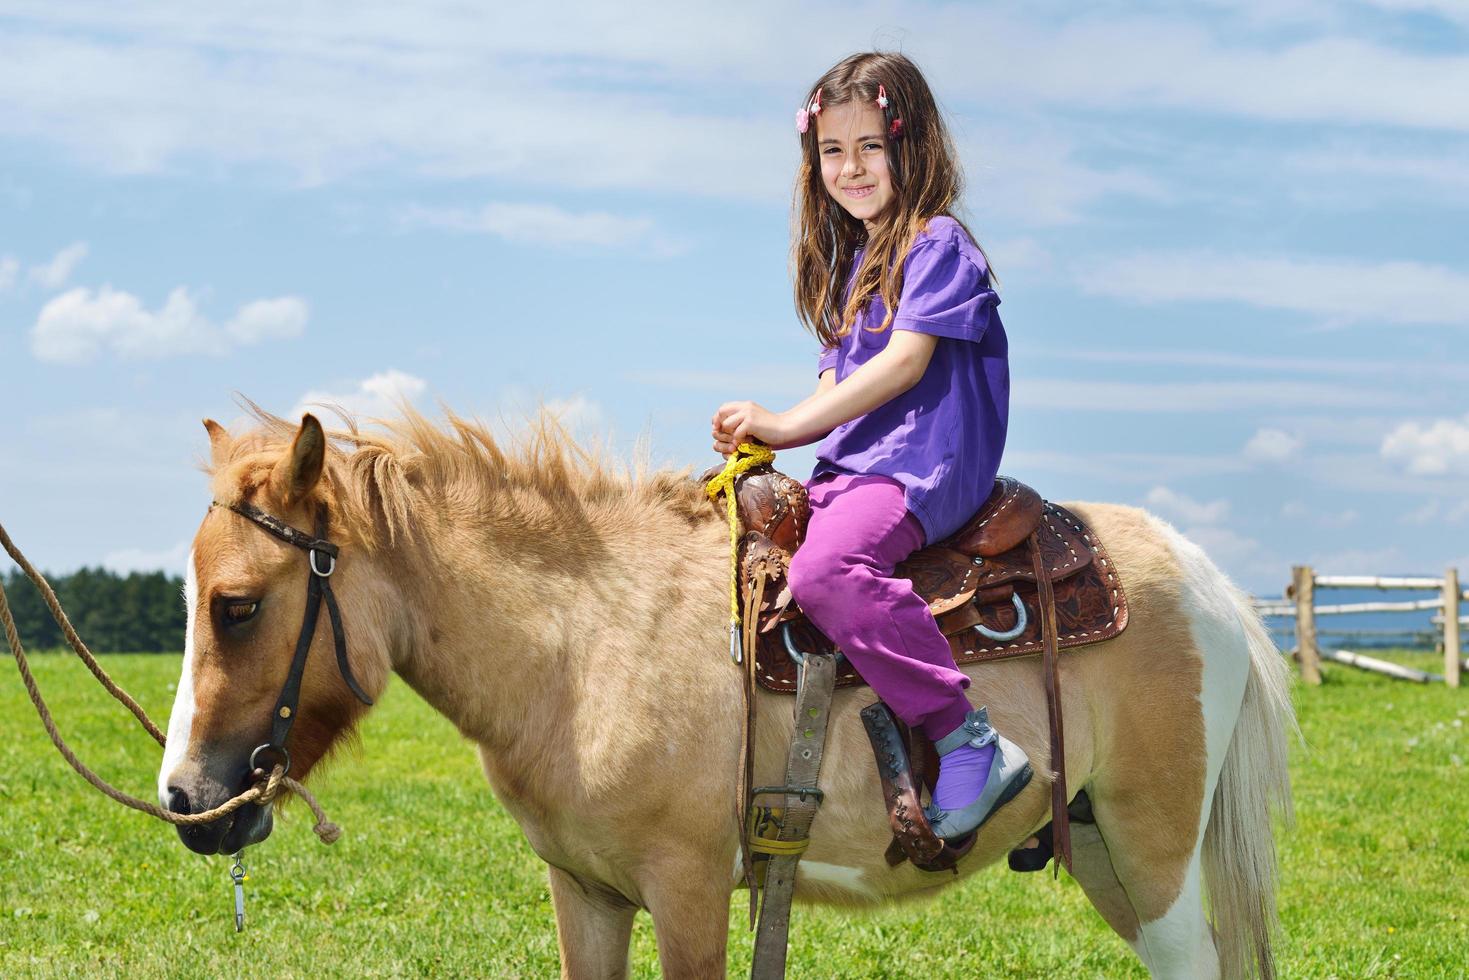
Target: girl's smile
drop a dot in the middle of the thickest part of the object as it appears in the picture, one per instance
(854, 162)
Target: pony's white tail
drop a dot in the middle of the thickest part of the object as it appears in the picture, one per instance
(1254, 785)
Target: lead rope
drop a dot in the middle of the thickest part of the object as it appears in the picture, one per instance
(261, 794)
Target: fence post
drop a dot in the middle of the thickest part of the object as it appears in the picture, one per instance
(1303, 588)
(1451, 627)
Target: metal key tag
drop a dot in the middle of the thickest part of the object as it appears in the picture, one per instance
(239, 877)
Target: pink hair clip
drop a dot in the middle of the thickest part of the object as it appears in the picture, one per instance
(895, 125)
(803, 116)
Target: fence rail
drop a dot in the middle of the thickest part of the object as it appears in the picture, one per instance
(1377, 582)
(1299, 602)
(1411, 605)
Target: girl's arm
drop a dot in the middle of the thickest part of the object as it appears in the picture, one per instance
(827, 382)
(892, 371)
(724, 440)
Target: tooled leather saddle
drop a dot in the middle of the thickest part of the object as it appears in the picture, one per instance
(1023, 576)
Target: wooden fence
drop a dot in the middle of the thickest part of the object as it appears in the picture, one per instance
(1300, 602)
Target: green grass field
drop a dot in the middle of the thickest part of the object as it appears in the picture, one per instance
(432, 879)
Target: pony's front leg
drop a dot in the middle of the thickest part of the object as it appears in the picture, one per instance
(689, 903)
(593, 928)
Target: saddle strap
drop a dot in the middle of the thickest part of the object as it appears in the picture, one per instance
(802, 798)
(747, 749)
(1050, 669)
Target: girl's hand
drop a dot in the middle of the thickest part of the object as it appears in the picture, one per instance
(737, 422)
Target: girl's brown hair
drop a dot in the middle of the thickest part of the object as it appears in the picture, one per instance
(926, 180)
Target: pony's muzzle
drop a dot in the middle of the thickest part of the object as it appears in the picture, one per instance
(250, 824)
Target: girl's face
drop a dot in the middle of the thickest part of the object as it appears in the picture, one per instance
(854, 164)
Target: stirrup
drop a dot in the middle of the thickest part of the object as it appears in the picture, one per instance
(1009, 773)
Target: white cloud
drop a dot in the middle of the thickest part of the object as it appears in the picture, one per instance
(1129, 468)
(325, 99)
(378, 396)
(170, 560)
(1434, 509)
(1422, 514)
(1374, 367)
(1035, 178)
(1342, 290)
(1297, 511)
(1116, 60)
(1437, 448)
(9, 269)
(53, 274)
(1451, 10)
(79, 325)
(1019, 253)
(1223, 545)
(1388, 560)
(583, 417)
(1272, 445)
(1056, 394)
(1428, 173)
(1184, 509)
(1369, 472)
(1244, 559)
(268, 319)
(774, 380)
(519, 95)
(546, 224)
(578, 413)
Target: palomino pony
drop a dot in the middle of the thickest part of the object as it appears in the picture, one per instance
(569, 616)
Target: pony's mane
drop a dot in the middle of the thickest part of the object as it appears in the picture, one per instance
(387, 481)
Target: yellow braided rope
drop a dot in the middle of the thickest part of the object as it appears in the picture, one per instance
(747, 455)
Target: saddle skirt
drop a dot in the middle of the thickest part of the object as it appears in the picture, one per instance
(981, 577)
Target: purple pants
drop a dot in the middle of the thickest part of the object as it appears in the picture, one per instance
(842, 577)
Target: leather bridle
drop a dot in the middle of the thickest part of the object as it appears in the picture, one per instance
(318, 587)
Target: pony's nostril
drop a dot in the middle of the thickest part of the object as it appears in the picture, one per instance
(178, 800)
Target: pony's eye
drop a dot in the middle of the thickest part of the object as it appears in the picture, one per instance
(239, 612)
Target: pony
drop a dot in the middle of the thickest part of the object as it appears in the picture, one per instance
(568, 613)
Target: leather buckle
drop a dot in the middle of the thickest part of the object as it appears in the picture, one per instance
(799, 791)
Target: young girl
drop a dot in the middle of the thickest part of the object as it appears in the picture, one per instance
(912, 402)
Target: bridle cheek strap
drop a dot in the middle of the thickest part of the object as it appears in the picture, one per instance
(318, 587)
(339, 640)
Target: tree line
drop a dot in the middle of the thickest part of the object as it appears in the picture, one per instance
(141, 612)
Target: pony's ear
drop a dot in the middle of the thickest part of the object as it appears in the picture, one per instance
(219, 442)
(296, 474)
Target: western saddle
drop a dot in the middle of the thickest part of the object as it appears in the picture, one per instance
(1023, 576)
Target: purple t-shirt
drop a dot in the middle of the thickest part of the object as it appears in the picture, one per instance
(942, 438)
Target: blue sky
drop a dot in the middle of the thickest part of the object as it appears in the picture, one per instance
(1230, 237)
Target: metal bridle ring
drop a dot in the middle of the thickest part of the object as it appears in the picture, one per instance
(311, 557)
(285, 758)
